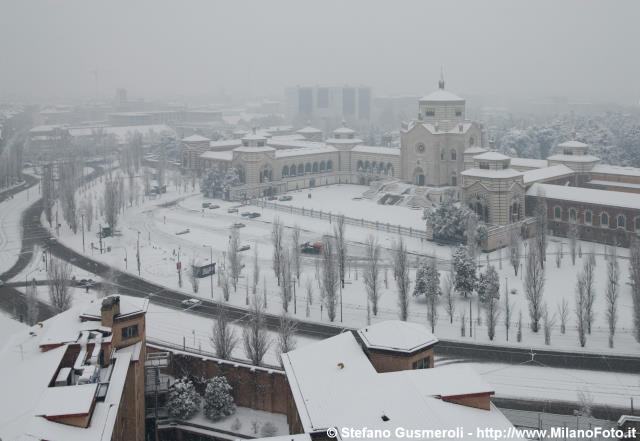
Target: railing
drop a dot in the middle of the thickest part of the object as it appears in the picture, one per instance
(331, 217)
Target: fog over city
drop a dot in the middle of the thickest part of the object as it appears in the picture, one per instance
(585, 50)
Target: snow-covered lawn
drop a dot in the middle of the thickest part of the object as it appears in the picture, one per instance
(9, 325)
(209, 231)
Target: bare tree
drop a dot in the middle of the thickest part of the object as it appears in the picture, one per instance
(590, 291)
(296, 256)
(286, 335)
(447, 293)
(88, 213)
(401, 273)
(48, 192)
(330, 278)
(492, 308)
(372, 272)
(256, 269)
(515, 245)
(519, 334)
(277, 239)
(559, 254)
(223, 338)
(33, 306)
(433, 292)
(563, 313)
(534, 286)
(540, 214)
(286, 279)
(572, 235)
(341, 246)
(225, 284)
(611, 294)
(634, 273)
(508, 309)
(472, 236)
(234, 257)
(59, 273)
(193, 274)
(309, 288)
(581, 306)
(111, 203)
(548, 321)
(255, 338)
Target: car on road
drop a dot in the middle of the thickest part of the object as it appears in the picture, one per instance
(183, 232)
(85, 283)
(272, 198)
(286, 198)
(245, 213)
(238, 225)
(244, 248)
(253, 215)
(232, 210)
(213, 207)
(191, 303)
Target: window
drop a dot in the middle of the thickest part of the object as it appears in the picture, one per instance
(454, 155)
(458, 112)
(423, 363)
(557, 213)
(430, 112)
(285, 171)
(572, 214)
(588, 217)
(471, 141)
(454, 180)
(484, 165)
(130, 332)
(329, 165)
(638, 223)
(604, 220)
(442, 155)
(622, 221)
(420, 148)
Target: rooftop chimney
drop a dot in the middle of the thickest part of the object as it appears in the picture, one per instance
(110, 308)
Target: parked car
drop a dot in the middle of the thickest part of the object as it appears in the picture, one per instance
(272, 198)
(244, 248)
(191, 303)
(286, 198)
(213, 207)
(245, 213)
(311, 247)
(184, 231)
(232, 210)
(238, 225)
(253, 215)
(206, 204)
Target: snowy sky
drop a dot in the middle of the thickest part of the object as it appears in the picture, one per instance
(176, 49)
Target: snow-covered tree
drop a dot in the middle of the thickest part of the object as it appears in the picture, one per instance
(611, 293)
(581, 314)
(223, 338)
(59, 274)
(489, 285)
(234, 257)
(341, 246)
(218, 401)
(32, 304)
(540, 214)
(634, 273)
(277, 239)
(534, 286)
(296, 256)
(401, 273)
(449, 220)
(255, 338)
(464, 269)
(183, 401)
(515, 245)
(330, 278)
(286, 334)
(590, 292)
(212, 184)
(563, 313)
(372, 273)
(447, 293)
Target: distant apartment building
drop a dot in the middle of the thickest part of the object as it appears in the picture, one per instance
(350, 102)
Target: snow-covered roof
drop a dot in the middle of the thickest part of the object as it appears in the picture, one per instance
(67, 400)
(309, 130)
(377, 150)
(334, 384)
(441, 95)
(225, 155)
(229, 143)
(491, 156)
(496, 174)
(344, 130)
(344, 141)
(573, 144)
(573, 158)
(542, 174)
(123, 132)
(128, 306)
(247, 149)
(254, 137)
(614, 184)
(294, 143)
(528, 162)
(304, 151)
(615, 170)
(587, 195)
(396, 335)
(474, 150)
(195, 138)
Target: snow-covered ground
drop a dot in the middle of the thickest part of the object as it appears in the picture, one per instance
(8, 325)
(209, 231)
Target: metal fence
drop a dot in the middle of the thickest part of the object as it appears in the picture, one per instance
(331, 217)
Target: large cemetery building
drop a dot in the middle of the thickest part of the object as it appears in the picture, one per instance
(439, 149)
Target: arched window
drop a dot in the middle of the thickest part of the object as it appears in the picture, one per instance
(292, 170)
(315, 167)
(622, 221)
(604, 220)
(454, 155)
(367, 166)
(588, 217)
(454, 180)
(329, 165)
(380, 168)
(573, 215)
(323, 166)
(515, 211)
(307, 168)
(285, 171)
(360, 166)
(557, 213)
(389, 169)
(300, 169)
(471, 141)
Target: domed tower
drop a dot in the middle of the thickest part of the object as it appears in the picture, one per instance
(255, 163)
(442, 108)
(344, 140)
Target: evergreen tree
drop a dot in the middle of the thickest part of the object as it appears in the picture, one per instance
(464, 269)
(211, 185)
(218, 401)
(489, 285)
(183, 400)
